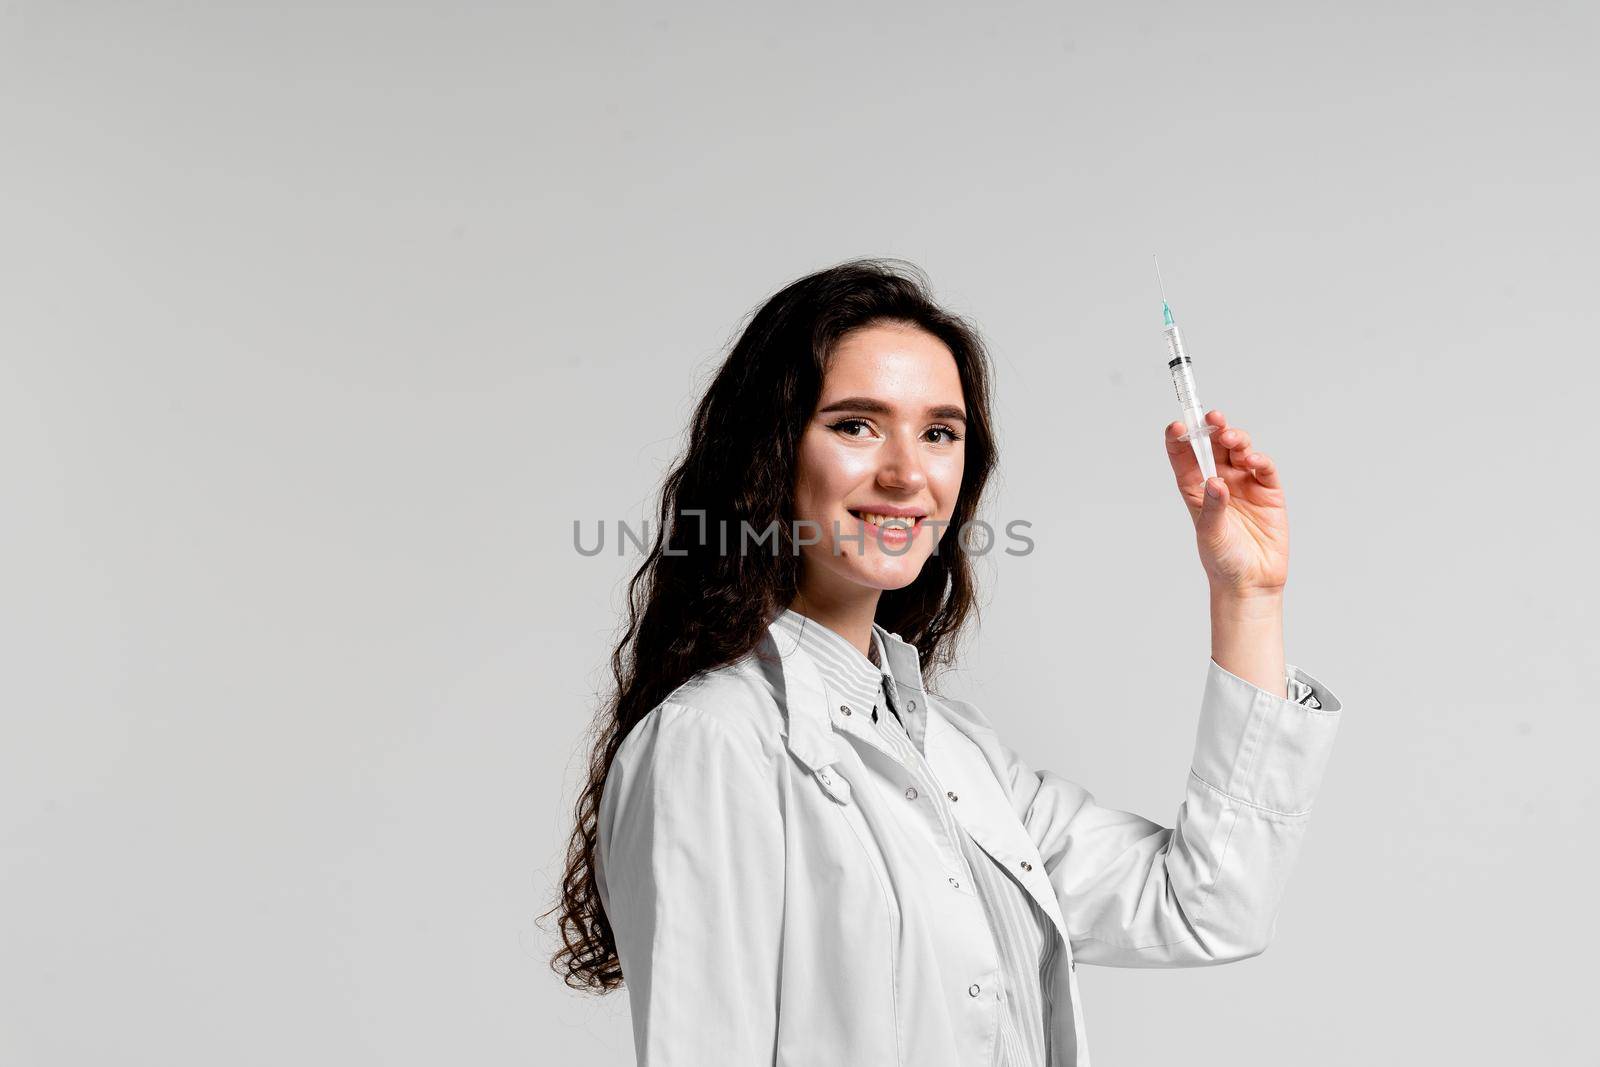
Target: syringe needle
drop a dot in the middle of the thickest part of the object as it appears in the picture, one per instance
(1158, 278)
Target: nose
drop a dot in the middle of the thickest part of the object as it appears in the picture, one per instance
(901, 465)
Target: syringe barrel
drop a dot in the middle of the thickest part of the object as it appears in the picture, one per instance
(1182, 377)
(1174, 343)
(1199, 433)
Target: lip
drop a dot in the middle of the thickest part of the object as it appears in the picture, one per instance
(890, 510)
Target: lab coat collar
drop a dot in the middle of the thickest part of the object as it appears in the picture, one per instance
(809, 713)
(816, 737)
(904, 662)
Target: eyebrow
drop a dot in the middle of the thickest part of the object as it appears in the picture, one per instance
(878, 407)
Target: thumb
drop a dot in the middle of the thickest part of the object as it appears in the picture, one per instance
(1213, 510)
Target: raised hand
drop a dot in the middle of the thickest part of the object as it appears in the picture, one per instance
(1243, 532)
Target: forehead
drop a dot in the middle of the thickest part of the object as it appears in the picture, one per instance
(893, 360)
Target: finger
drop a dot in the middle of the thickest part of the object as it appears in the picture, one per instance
(1265, 471)
(1185, 468)
(1181, 455)
(1215, 420)
(1218, 423)
(1212, 518)
(1174, 438)
(1236, 442)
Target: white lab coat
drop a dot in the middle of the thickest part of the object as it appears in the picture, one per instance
(772, 905)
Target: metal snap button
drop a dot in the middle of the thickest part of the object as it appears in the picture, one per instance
(974, 989)
(955, 883)
(952, 796)
(911, 794)
(911, 705)
(845, 708)
(1027, 866)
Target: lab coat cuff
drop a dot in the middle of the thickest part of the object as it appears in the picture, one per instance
(1261, 748)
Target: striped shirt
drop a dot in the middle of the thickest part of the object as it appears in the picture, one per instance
(1026, 943)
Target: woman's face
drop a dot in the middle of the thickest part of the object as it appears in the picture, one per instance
(880, 462)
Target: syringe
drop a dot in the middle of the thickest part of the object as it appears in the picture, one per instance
(1199, 431)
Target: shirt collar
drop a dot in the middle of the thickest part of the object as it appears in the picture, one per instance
(811, 717)
(856, 678)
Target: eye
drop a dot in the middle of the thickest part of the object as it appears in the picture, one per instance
(953, 435)
(843, 426)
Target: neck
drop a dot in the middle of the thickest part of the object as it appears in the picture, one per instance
(848, 614)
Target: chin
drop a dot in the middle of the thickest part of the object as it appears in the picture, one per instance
(894, 574)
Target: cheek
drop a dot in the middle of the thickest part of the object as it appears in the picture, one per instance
(944, 477)
(827, 475)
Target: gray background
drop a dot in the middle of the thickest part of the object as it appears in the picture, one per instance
(322, 323)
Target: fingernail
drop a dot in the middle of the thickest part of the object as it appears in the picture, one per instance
(1211, 490)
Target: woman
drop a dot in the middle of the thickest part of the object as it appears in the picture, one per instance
(797, 852)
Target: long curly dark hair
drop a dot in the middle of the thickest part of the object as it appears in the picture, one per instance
(692, 608)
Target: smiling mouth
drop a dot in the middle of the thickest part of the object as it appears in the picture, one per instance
(890, 523)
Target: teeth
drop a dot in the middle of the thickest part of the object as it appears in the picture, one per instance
(904, 522)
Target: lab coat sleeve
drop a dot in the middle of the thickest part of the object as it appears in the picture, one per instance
(691, 876)
(1205, 890)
